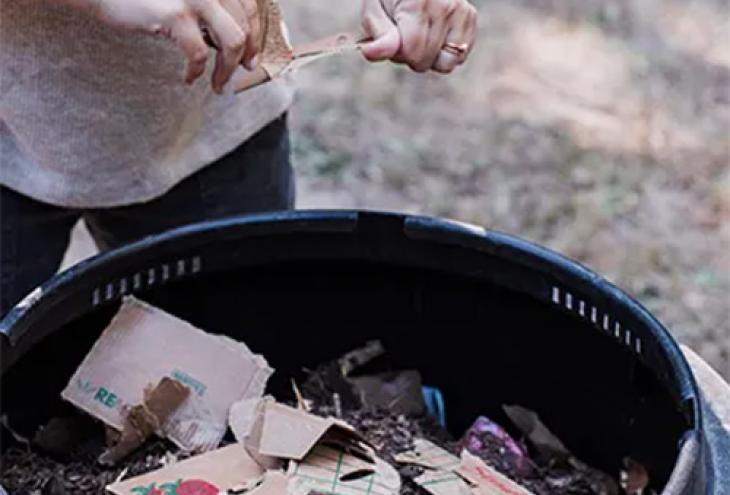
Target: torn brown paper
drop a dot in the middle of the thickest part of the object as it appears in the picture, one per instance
(334, 471)
(147, 418)
(143, 344)
(221, 470)
(276, 54)
(428, 455)
(275, 50)
(485, 479)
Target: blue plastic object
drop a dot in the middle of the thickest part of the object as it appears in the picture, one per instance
(434, 400)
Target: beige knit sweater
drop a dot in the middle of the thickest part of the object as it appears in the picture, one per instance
(94, 117)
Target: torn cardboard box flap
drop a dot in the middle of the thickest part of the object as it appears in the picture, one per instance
(319, 453)
(271, 429)
(141, 346)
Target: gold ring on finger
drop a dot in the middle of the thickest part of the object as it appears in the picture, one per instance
(458, 49)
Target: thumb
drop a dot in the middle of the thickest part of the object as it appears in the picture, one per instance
(380, 27)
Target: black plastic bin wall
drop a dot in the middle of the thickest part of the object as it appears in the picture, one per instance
(487, 318)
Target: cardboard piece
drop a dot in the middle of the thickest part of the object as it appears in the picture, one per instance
(334, 471)
(438, 478)
(143, 344)
(246, 420)
(427, 454)
(324, 455)
(147, 418)
(486, 480)
(275, 50)
(440, 482)
(211, 473)
(447, 474)
(289, 433)
(273, 483)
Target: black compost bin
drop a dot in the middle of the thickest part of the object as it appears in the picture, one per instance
(487, 318)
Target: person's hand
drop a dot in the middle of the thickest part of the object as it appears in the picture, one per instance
(425, 34)
(233, 26)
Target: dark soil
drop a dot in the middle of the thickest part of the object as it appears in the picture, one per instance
(33, 472)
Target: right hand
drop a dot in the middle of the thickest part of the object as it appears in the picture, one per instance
(233, 25)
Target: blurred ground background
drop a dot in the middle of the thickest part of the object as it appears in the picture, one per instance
(596, 128)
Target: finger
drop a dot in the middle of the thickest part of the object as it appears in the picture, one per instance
(414, 37)
(463, 32)
(236, 11)
(472, 28)
(378, 25)
(251, 9)
(446, 62)
(185, 31)
(231, 42)
(243, 12)
(437, 35)
(439, 13)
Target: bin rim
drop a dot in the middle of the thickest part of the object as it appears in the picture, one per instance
(15, 325)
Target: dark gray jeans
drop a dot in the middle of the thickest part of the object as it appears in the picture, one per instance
(255, 177)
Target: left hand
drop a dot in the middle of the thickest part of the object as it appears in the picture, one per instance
(419, 32)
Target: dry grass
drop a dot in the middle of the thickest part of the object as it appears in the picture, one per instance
(599, 129)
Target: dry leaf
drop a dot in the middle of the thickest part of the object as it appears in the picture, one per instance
(634, 477)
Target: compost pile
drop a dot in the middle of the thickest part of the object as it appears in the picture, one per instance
(353, 426)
